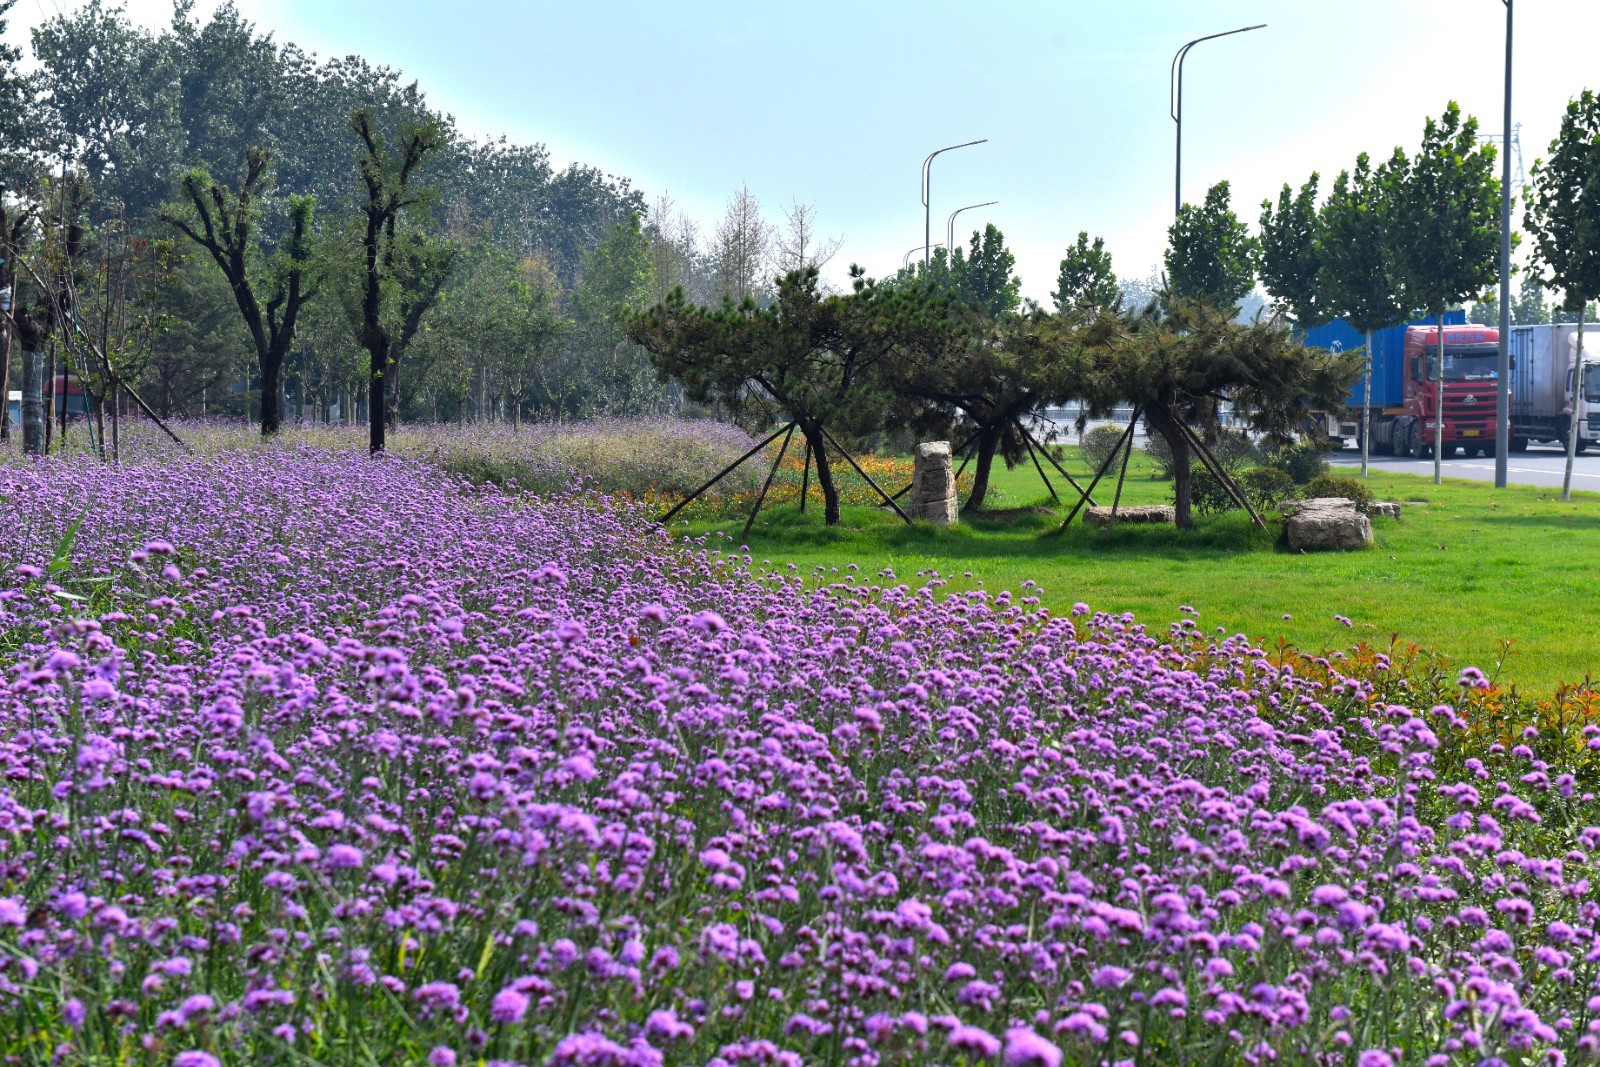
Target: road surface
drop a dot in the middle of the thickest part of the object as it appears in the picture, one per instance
(1540, 465)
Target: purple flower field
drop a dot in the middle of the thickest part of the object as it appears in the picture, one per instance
(306, 758)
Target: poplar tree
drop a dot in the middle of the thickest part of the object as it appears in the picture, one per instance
(1354, 269)
(1443, 228)
(1291, 253)
(1211, 257)
(1563, 215)
(1086, 279)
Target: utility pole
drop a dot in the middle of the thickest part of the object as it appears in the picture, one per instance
(1502, 391)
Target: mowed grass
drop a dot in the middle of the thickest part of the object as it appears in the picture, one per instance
(1475, 575)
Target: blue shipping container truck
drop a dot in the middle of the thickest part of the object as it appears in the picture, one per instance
(1388, 364)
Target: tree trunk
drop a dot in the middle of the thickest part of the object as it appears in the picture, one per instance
(830, 491)
(1438, 404)
(1164, 424)
(1575, 420)
(377, 407)
(5, 378)
(988, 445)
(271, 394)
(32, 402)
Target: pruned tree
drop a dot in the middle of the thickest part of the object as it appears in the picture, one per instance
(1563, 215)
(1291, 253)
(270, 285)
(1086, 279)
(1355, 271)
(1443, 227)
(1210, 257)
(1175, 367)
(806, 358)
(390, 298)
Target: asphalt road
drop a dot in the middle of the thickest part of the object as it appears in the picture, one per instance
(1540, 465)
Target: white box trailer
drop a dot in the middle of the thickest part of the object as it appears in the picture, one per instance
(1542, 363)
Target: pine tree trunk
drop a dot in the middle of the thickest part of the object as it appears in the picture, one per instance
(830, 491)
(988, 445)
(1164, 424)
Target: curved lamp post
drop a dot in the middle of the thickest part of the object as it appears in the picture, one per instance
(905, 260)
(1175, 101)
(950, 224)
(927, 218)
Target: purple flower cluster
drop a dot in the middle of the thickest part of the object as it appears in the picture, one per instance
(304, 755)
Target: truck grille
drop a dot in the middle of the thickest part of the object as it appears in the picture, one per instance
(1479, 411)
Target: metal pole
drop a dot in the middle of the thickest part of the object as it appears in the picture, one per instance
(1175, 106)
(1502, 391)
(927, 216)
(1366, 410)
(950, 226)
(905, 260)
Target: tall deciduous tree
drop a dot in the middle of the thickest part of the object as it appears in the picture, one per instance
(1291, 254)
(1530, 307)
(1356, 274)
(1086, 279)
(269, 286)
(1211, 257)
(388, 174)
(1443, 227)
(806, 357)
(798, 245)
(743, 248)
(1563, 215)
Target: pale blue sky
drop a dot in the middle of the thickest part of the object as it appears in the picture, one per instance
(837, 103)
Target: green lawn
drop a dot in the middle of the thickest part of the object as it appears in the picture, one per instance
(1466, 569)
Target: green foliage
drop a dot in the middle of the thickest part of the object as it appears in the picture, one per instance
(1442, 228)
(1211, 258)
(1098, 443)
(1300, 462)
(1160, 452)
(1086, 279)
(1208, 495)
(983, 274)
(1291, 254)
(1530, 308)
(1563, 212)
(1266, 487)
(1336, 485)
(1355, 274)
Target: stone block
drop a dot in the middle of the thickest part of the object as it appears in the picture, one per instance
(1140, 513)
(1330, 522)
(933, 484)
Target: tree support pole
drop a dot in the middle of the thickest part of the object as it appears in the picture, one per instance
(1028, 444)
(1122, 476)
(1127, 437)
(723, 473)
(828, 437)
(805, 478)
(1059, 468)
(762, 496)
(1223, 477)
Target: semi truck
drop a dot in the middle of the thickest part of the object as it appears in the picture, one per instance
(1405, 376)
(1542, 363)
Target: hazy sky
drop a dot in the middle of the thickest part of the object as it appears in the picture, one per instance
(836, 104)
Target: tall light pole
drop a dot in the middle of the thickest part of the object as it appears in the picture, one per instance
(950, 225)
(1502, 390)
(927, 217)
(905, 260)
(1175, 101)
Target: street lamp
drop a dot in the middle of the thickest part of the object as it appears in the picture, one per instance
(1502, 389)
(950, 224)
(1175, 101)
(905, 260)
(927, 218)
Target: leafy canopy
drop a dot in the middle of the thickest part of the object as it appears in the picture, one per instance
(1086, 279)
(1291, 253)
(1211, 258)
(1563, 212)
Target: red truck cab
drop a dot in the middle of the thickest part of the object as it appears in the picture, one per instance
(1471, 361)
